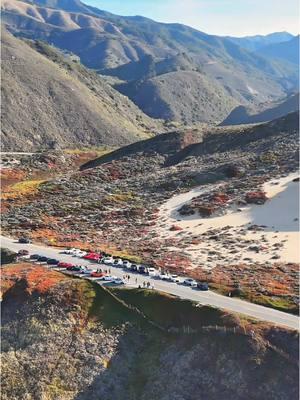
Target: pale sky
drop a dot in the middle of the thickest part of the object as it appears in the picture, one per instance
(220, 17)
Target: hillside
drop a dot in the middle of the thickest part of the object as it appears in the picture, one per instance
(263, 112)
(176, 146)
(51, 101)
(185, 96)
(65, 338)
(120, 46)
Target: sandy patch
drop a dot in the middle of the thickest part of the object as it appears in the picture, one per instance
(278, 241)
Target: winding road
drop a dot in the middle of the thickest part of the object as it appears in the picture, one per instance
(206, 298)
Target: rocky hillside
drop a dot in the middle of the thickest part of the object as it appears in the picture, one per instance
(217, 70)
(49, 100)
(67, 339)
(264, 112)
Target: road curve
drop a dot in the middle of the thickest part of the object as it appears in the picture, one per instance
(206, 298)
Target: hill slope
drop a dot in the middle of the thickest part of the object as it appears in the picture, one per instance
(70, 339)
(263, 113)
(48, 100)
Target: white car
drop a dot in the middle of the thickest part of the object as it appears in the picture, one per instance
(164, 276)
(108, 260)
(190, 282)
(118, 263)
(119, 281)
(152, 271)
(174, 278)
(69, 251)
(110, 278)
(126, 264)
(79, 253)
(86, 271)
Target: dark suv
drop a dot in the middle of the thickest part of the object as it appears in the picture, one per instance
(202, 285)
(24, 240)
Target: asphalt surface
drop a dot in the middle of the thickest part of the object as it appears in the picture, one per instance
(203, 297)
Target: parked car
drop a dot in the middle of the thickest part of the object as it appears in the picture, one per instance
(92, 256)
(86, 271)
(110, 278)
(190, 282)
(62, 264)
(42, 259)
(133, 268)
(23, 252)
(34, 256)
(119, 281)
(118, 263)
(24, 240)
(202, 285)
(142, 269)
(98, 274)
(75, 268)
(108, 260)
(152, 271)
(163, 276)
(69, 251)
(79, 253)
(52, 261)
(126, 264)
(172, 278)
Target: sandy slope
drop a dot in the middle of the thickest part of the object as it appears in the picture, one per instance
(279, 214)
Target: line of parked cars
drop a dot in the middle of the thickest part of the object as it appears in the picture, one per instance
(108, 260)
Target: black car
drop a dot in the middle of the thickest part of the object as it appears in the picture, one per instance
(24, 240)
(34, 256)
(143, 269)
(202, 285)
(74, 268)
(42, 259)
(52, 261)
(133, 268)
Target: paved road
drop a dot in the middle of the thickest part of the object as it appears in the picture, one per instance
(185, 292)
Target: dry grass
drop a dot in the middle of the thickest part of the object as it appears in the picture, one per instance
(21, 189)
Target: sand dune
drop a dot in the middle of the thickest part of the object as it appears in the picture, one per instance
(279, 215)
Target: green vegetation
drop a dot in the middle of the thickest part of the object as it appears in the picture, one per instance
(170, 311)
(7, 256)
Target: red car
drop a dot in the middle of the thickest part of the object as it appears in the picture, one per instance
(64, 265)
(97, 274)
(92, 257)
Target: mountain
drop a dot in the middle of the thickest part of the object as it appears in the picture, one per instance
(50, 100)
(125, 46)
(186, 96)
(72, 339)
(287, 51)
(256, 42)
(263, 112)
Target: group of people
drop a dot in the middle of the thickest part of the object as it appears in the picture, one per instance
(145, 284)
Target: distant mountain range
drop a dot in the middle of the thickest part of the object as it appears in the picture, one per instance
(170, 71)
(257, 42)
(286, 51)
